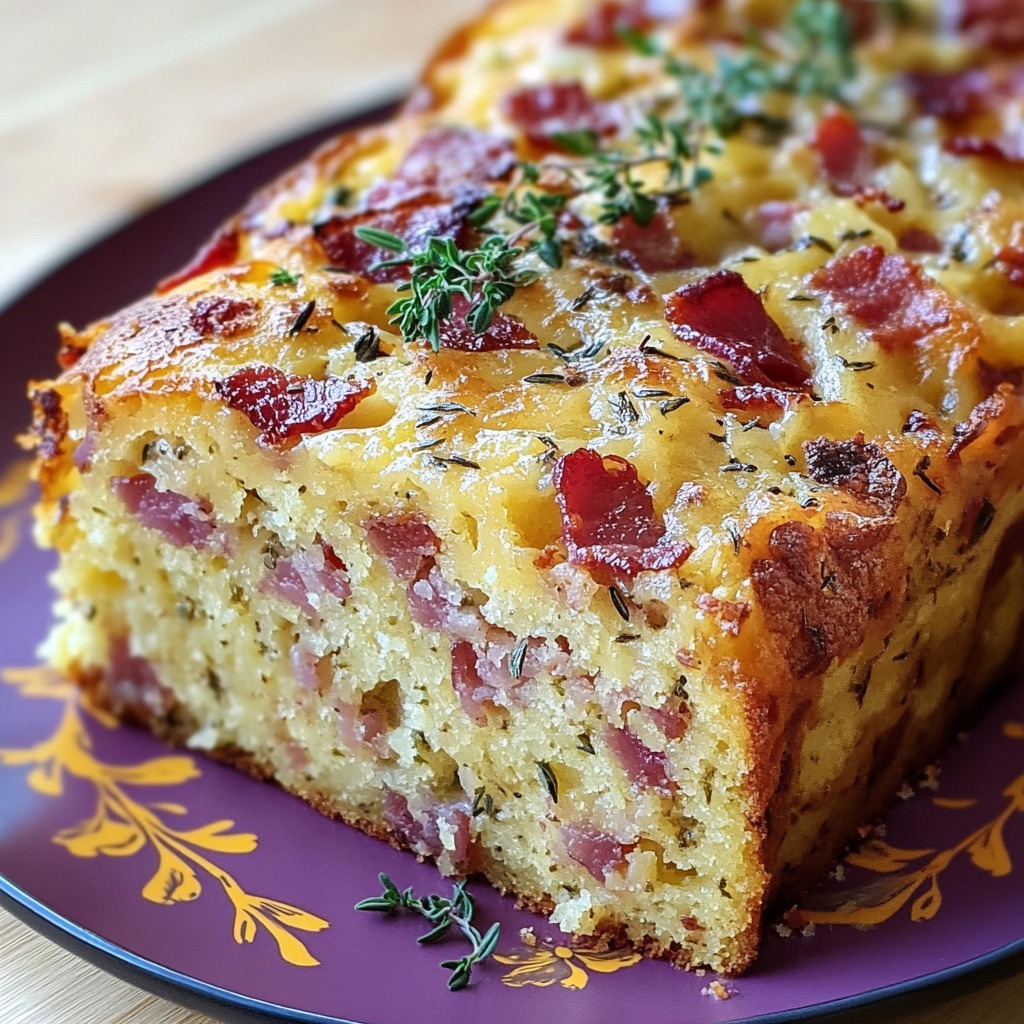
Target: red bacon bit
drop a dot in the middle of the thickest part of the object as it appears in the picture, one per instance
(444, 161)
(887, 294)
(424, 836)
(133, 687)
(184, 521)
(468, 684)
(841, 147)
(965, 433)
(646, 768)
(505, 331)
(415, 221)
(672, 721)
(723, 316)
(954, 94)
(358, 728)
(772, 223)
(864, 194)
(219, 251)
(730, 614)
(919, 240)
(221, 316)
(601, 28)
(1011, 262)
(406, 543)
(653, 248)
(282, 406)
(601, 854)
(309, 574)
(310, 670)
(758, 398)
(1004, 150)
(544, 111)
(995, 23)
(608, 520)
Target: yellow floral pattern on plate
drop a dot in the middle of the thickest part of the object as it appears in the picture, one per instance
(123, 825)
(544, 965)
(910, 872)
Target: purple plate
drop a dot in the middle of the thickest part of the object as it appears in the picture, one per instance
(199, 883)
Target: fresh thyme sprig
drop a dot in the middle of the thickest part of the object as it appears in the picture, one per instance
(442, 913)
(812, 56)
(485, 277)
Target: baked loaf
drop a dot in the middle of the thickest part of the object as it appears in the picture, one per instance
(700, 529)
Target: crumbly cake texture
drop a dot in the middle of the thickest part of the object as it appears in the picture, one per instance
(640, 601)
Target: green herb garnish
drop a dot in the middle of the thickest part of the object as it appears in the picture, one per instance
(485, 277)
(442, 913)
(282, 276)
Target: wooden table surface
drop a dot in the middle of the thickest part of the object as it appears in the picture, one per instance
(108, 106)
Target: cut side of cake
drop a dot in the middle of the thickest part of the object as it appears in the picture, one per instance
(605, 477)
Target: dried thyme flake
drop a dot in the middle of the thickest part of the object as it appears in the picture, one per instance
(549, 780)
(517, 657)
(619, 602)
(303, 318)
(671, 404)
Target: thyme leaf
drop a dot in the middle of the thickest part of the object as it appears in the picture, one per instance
(442, 913)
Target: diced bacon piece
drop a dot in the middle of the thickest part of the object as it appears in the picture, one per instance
(304, 578)
(358, 728)
(672, 722)
(400, 820)
(1006, 149)
(133, 687)
(772, 223)
(653, 247)
(758, 398)
(841, 146)
(648, 769)
(919, 240)
(602, 26)
(601, 854)
(444, 161)
(220, 251)
(406, 543)
(995, 23)
(415, 221)
(864, 194)
(543, 111)
(473, 695)
(184, 521)
(1011, 261)
(482, 674)
(283, 406)
(885, 293)
(724, 316)
(954, 94)
(608, 520)
(504, 332)
(222, 316)
(437, 604)
(425, 836)
(730, 614)
(312, 671)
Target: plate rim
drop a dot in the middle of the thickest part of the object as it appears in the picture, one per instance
(186, 990)
(170, 984)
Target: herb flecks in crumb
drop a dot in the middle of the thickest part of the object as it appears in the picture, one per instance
(442, 913)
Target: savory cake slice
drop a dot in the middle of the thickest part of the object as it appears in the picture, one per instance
(606, 476)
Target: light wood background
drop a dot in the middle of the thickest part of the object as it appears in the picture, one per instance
(108, 106)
